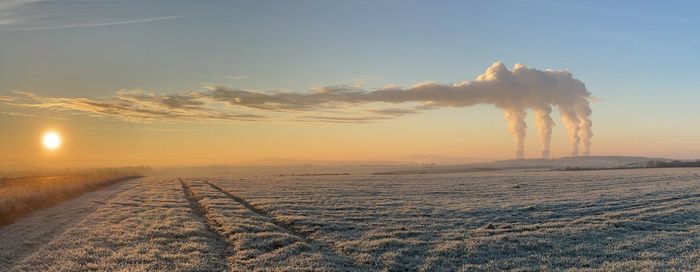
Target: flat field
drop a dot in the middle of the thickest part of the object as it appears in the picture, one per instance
(628, 220)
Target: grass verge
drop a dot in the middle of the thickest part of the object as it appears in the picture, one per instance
(22, 195)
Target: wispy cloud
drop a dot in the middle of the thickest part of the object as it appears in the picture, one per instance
(34, 15)
(93, 24)
(8, 10)
(400, 111)
(216, 103)
(133, 106)
(237, 77)
(17, 114)
(12, 4)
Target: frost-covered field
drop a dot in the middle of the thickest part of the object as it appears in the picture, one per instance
(512, 220)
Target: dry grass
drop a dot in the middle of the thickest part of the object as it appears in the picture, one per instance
(20, 196)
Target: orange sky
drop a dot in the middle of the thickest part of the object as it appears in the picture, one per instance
(466, 134)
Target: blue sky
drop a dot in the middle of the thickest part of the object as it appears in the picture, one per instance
(610, 44)
(638, 58)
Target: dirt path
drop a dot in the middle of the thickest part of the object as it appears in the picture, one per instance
(37, 229)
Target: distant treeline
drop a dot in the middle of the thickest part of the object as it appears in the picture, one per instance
(314, 174)
(675, 163)
(649, 164)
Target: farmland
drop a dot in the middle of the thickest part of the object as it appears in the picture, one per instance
(640, 219)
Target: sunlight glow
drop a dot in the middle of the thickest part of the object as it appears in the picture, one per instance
(51, 140)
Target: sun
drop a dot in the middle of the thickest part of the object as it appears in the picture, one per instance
(52, 140)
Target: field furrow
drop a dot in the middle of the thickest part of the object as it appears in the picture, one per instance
(223, 248)
(260, 242)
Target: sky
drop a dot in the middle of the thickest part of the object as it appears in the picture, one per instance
(124, 82)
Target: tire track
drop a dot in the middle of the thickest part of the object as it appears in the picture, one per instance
(223, 247)
(260, 212)
(610, 214)
(349, 264)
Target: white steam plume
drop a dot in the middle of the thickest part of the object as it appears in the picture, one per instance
(571, 122)
(544, 126)
(583, 110)
(517, 127)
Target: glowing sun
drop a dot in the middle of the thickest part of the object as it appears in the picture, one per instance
(51, 140)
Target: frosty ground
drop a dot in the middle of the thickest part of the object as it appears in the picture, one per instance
(642, 219)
